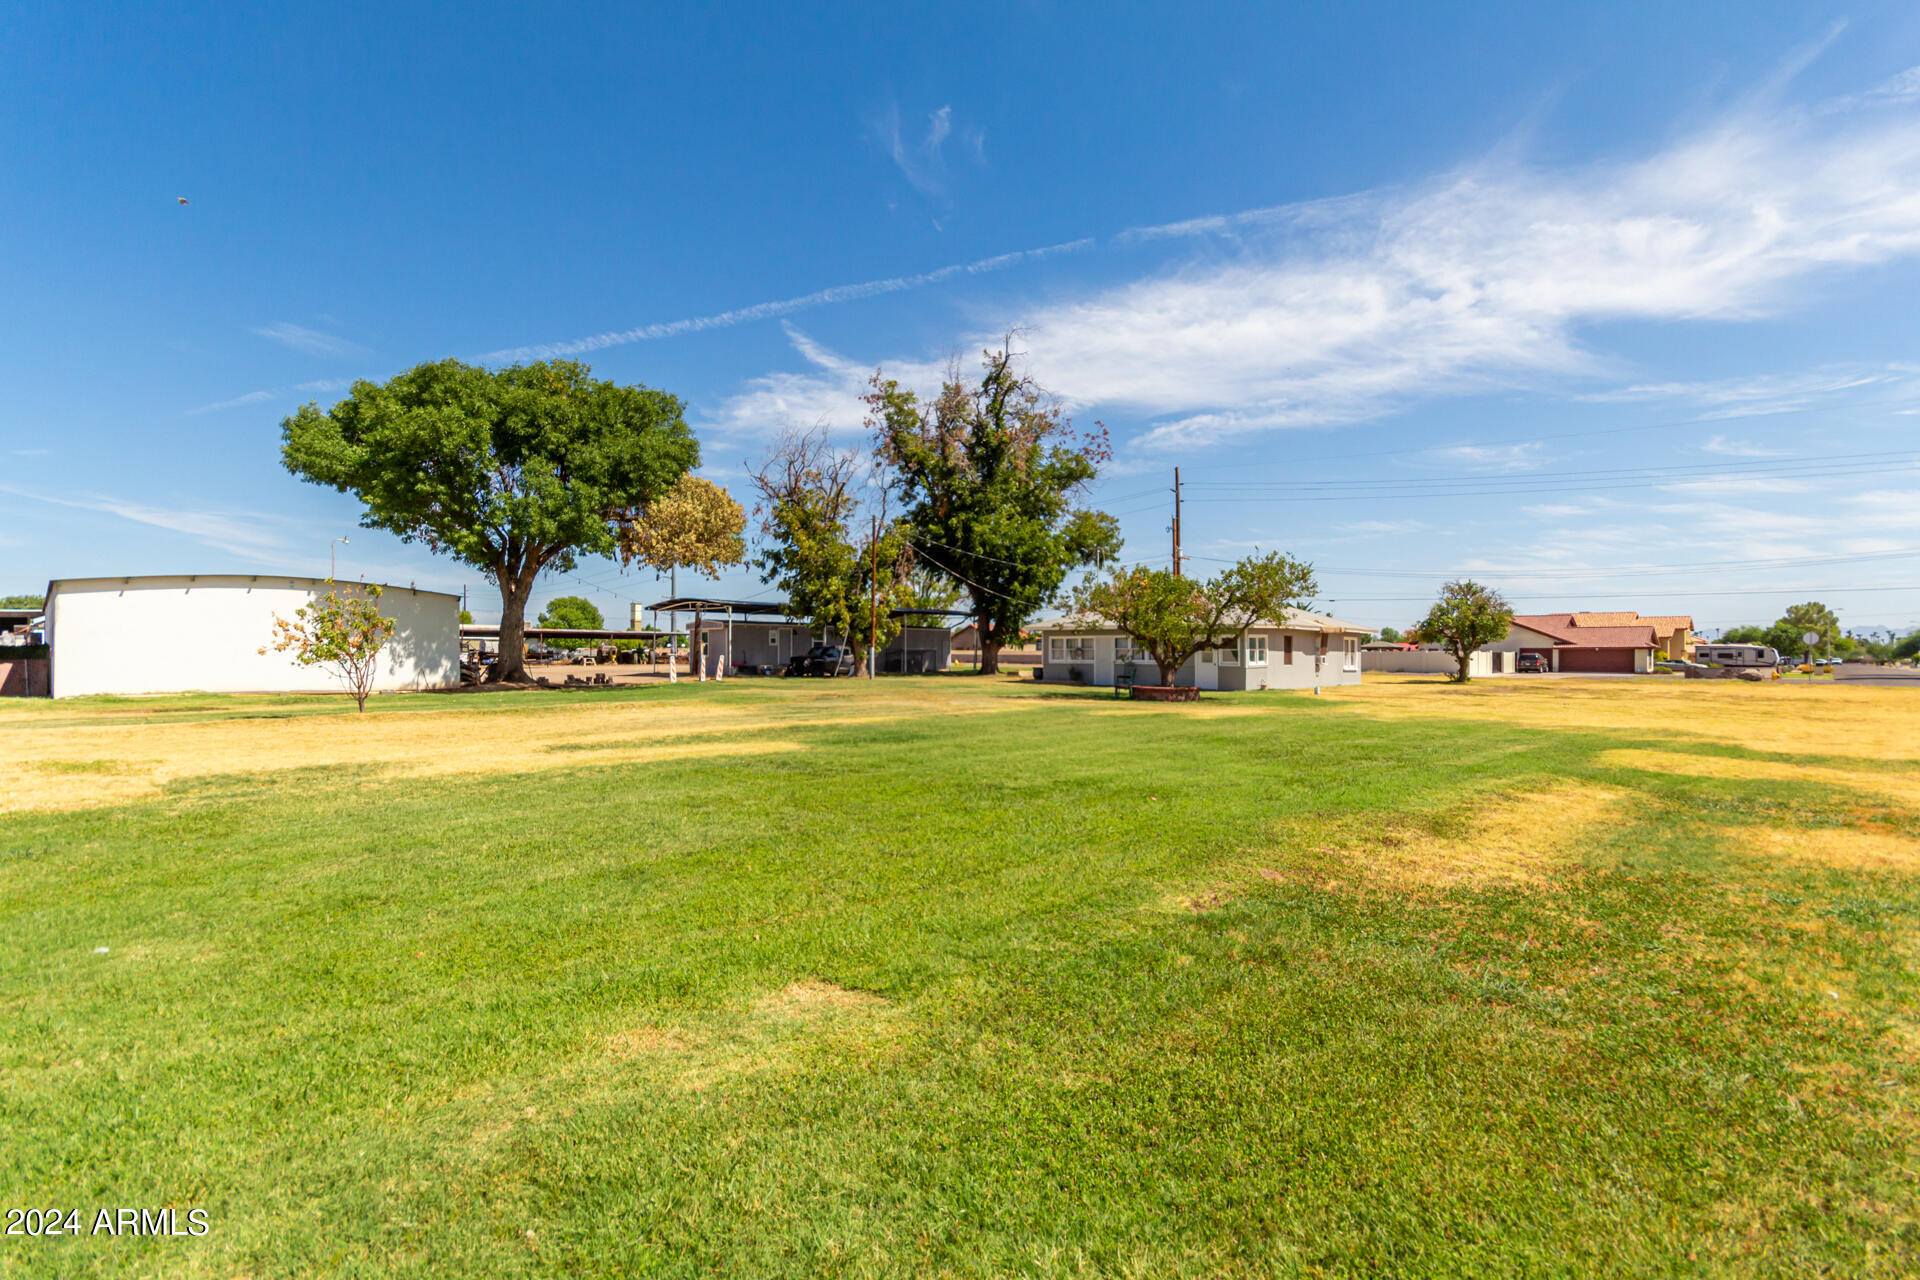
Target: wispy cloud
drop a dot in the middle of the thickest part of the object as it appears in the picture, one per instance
(247, 535)
(1524, 456)
(30, 453)
(1892, 92)
(311, 342)
(1740, 448)
(784, 306)
(923, 163)
(251, 397)
(828, 394)
(1756, 396)
(1485, 279)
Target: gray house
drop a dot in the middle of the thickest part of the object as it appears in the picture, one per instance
(747, 637)
(1303, 650)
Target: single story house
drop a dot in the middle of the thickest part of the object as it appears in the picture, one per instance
(747, 636)
(1302, 650)
(1591, 642)
(175, 633)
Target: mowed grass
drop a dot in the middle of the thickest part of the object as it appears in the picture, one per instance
(968, 977)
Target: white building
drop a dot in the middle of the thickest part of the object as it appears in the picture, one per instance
(177, 633)
(1303, 650)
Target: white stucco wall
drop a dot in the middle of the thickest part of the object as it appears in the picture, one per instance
(1431, 662)
(175, 634)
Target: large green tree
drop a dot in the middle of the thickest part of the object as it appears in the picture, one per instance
(1174, 618)
(1466, 616)
(1788, 634)
(991, 474)
(34, 601)
(572, 613)
(510, 470)
(842, 562)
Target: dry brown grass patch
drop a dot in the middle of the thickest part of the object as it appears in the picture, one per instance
(1526, 840)
(1901, 787)
(1870, 722)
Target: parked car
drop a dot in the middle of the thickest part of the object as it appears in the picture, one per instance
(821, 660)
(1530, 662)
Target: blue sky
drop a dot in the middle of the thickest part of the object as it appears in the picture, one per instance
(1610, 306)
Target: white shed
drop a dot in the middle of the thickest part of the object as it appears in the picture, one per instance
(175, 633)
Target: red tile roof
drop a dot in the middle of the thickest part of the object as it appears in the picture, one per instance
(1563, 628)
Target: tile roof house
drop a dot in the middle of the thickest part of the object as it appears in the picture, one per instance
(1599, 642)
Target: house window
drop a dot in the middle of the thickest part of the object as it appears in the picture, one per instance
(1230, 654)
(1206, 657)
(1125, 651)
(1256, 651)
(1353, 653)
(1286, 650)
(1069, 649)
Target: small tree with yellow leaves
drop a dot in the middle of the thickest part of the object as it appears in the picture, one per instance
(343, 633)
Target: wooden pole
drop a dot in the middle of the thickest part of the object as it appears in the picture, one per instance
(873, 599)
(1176, 522)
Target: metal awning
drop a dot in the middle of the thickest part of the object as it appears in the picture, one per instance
(738, 608)
(491, 631)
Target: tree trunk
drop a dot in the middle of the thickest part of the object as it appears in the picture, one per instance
(1167, 673)
(989, 656)
(1465, 658)
(514, 591)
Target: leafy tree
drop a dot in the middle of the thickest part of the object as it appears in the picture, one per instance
(818, 546)
(990, 473)
(1392, 635)
(1173, 618)
(572, 613)
(1466, 616)
(1908, 647)
(1811, 616)
(465, 618)
(33, 601)
(929, 589)
(694, 525)
(342, 633)
(1744, 635)
(512, 470)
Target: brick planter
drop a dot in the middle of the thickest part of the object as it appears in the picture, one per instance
(1164, 693)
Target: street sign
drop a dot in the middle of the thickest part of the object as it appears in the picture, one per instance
(1811, 637)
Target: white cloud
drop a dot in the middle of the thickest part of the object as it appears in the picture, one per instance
(251, 397)
(1524, 456)
(828, 395)
(30, 453)
(1755, 396)
(1739, 448)
(311, 341)
(782, 307)
(924, 163)
(247, 535)
(1343, 310)
(1891, 92)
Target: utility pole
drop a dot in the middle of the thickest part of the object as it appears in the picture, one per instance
(873, 597)
(1176, 522)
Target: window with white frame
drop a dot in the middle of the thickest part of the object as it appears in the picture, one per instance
(1230, 654)
(1353, 653)
(1125, 650)
(1256, 647)
(1070, 649)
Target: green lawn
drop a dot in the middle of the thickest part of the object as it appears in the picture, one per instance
(1065, 988)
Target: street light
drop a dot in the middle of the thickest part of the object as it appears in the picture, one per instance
(330, 546)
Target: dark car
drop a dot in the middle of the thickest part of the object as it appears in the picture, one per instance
(821, 660)
(1530, 662)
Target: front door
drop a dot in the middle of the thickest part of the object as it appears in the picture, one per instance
(1206, 670)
